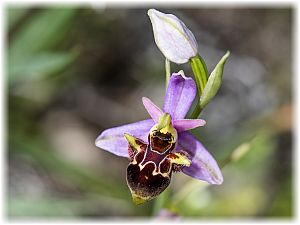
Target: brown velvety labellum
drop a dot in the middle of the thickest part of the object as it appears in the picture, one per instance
(143, 183)
(150, 170)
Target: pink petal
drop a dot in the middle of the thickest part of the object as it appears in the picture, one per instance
(153, 110)
(188, 124)
(113, 139)
(180, 95)
(204, 166)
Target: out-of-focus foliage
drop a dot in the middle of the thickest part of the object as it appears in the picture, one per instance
(30, 54)
(72, 72)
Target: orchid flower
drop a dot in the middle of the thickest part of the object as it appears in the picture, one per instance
(163, 144)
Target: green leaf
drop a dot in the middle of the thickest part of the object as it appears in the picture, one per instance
(40, 65)
(22, 206)
(14, 14)
(214, 82)
(36, 148)
(42, 32)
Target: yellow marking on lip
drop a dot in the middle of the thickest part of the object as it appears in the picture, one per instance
(138, 199)
(160, 173)
(179, 159)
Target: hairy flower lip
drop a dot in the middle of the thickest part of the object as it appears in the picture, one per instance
(179, 97)
(172, 37)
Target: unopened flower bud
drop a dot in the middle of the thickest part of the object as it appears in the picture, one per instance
(172, 37)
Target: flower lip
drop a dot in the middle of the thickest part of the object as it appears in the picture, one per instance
(173, 38)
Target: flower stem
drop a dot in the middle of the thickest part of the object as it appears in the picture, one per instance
(168, 72)
(196, 112)
(191, 186)
(201, 75)
(161, 201)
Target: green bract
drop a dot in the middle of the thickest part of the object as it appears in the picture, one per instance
(214, 82)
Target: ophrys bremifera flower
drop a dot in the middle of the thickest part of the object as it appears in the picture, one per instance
(159, 146)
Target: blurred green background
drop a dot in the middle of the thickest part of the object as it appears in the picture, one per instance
(72, 72)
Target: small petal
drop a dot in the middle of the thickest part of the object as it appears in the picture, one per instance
(172, 37)
(188, 124)
(153, 110)
(113, 139)
(204, 166)
(180, 95)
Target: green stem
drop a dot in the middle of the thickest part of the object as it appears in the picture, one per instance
(161, 201)
(188, 188)
(168, 72)
(195, 114)
(201, 75)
